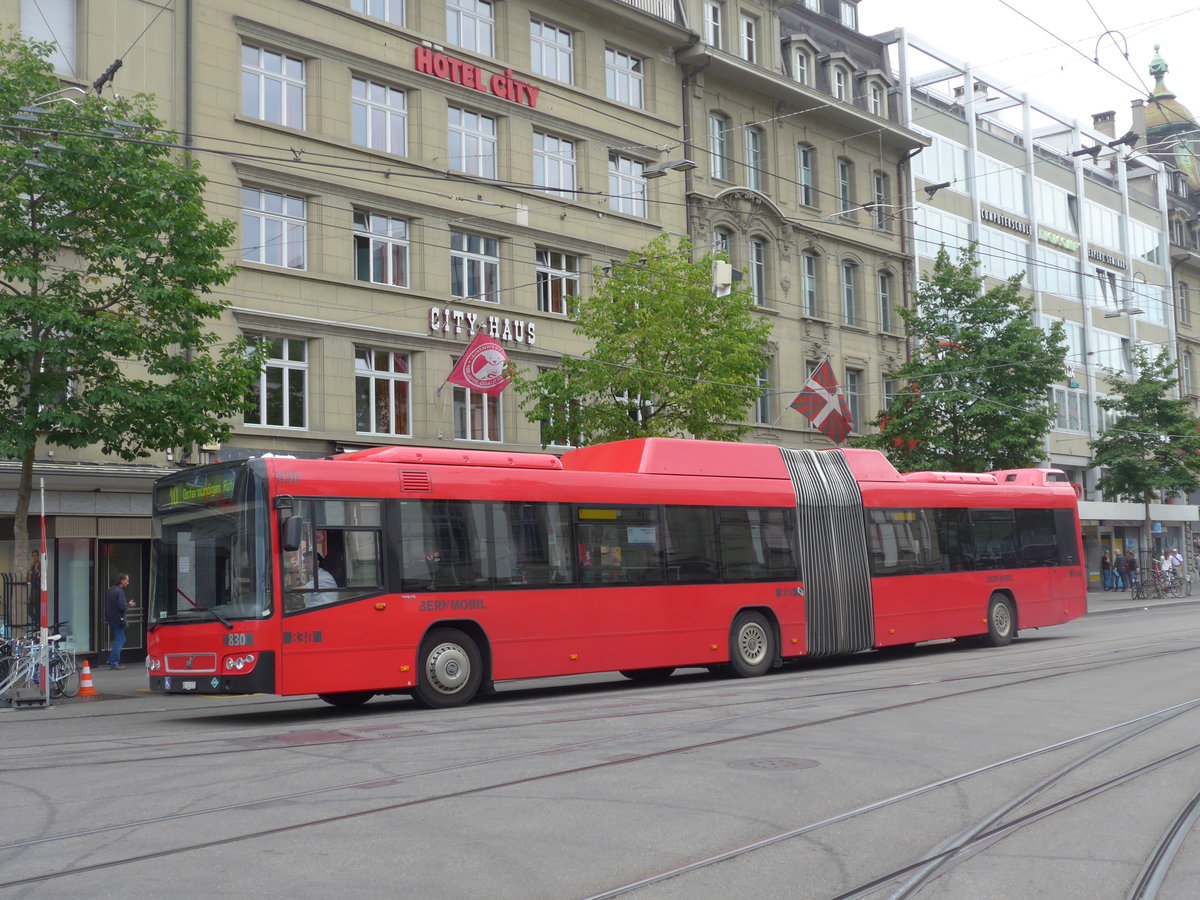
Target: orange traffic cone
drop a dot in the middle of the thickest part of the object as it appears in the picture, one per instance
(86, 689)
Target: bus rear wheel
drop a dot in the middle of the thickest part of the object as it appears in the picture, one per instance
(347, 699)
(1001, 620)
(451, 669)
(751, 645)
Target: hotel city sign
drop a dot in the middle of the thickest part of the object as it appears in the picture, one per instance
(504, 85)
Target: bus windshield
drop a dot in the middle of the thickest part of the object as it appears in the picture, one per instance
(211, 541)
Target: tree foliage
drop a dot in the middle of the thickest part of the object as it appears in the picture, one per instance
(1152, 445)
(667, 357)
(107, 261)
(973, 394)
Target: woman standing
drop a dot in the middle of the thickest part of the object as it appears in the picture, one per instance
(1106, 575)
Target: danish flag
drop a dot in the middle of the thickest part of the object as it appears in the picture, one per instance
(823, 403)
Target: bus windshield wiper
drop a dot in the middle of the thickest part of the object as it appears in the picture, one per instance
(194, 605)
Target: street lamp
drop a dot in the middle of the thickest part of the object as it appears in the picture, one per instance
(658, 170)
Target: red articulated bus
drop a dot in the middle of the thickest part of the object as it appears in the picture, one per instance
(439, 572)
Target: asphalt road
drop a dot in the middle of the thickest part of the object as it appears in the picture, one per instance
(1061, 766)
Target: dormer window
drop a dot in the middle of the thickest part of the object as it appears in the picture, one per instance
(749, 38)
(841, 83)
(875, 99)
(849, 14)
(802, 67)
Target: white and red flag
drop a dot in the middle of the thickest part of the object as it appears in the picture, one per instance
(483, 367)
(824, 404)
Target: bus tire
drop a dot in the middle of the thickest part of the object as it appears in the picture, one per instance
(1001, 620)
(451, 669)
(649, 676)
(751, 645)
(347, 699)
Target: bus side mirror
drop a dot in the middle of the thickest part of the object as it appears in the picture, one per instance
(293, 532)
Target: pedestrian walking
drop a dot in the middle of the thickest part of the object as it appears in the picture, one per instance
(1131, 567)
(115, 604)
(1120, 572)
(1106, 573)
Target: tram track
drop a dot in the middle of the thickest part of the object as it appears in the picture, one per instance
(67, 754)
(629, 759)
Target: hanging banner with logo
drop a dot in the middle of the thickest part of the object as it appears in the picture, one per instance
(483, 368)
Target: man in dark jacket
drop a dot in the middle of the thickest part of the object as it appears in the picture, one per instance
(1120, 572)
(115, 604)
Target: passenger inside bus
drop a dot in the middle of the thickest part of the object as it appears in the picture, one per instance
(323, 580)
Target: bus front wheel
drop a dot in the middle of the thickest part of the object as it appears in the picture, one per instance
(751, 645)
(1001, 621)
(451, 669)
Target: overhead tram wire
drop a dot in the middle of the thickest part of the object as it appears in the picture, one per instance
(982, 252)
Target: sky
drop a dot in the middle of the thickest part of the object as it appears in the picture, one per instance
(996, 37)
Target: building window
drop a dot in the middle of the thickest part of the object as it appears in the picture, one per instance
(845, 185)
(885, 301)
(762, 405)
(722, 241)
(876, 100)
(471, 24)
(881, 215)
(849, 297)
(749, 38)
(854, 387)
(380, 249)
(552, 50)
(754, 158)
(389, 10)
(718, 145)
(554, 164)
(805, 156)
(272, 86)
(1187, 374)
(474, 267)
(802, 67)
(841, 82)
(623, 74)
(280, 400)
(569, 413)
(472, 143)
(557, 281)
(758, 271)
(1072, 410)
(809, 299)
(476, 416)
(713, 13)
(379, 116)
(849, 12)
(1185, 308)
(626, 185)
(52, 22)
(382, 392)
(273, 228)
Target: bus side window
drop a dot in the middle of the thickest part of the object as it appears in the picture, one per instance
(691, 545)
(757, 545)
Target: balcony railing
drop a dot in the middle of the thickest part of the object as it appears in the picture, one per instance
(664, 9)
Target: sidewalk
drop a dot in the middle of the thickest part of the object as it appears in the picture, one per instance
(1101, 602)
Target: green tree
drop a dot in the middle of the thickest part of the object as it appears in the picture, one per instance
(974, 394)
(667, 356)
(1152, 445)
(107, 260)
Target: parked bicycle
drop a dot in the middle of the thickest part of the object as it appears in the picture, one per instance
(21, 664)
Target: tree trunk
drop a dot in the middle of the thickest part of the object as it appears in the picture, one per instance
(21, 557)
